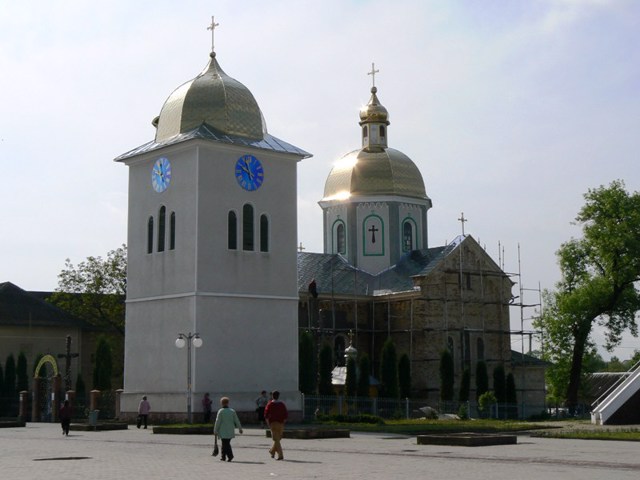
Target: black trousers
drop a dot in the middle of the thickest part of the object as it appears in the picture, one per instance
(227, 452)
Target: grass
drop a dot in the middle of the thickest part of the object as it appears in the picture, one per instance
(625, 435)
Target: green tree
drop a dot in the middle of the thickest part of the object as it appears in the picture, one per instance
(511, 396)
(363, 377)
(599, 273)
(447, 376)
(306, 364)
(81, 391)
(389, 369)
(1, 391)
(325, 370)
(10, 384)
(102, 370)
(95, 289)
(351, 382)
(499, 385)
(404, 376)
(465, 386)
(22, 377)
(482, 378)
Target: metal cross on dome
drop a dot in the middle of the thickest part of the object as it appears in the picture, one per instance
(373, 73)
(212, 27)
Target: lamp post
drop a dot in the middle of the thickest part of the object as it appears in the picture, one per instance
(188, 340)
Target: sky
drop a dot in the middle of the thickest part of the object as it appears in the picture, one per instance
(512, 110)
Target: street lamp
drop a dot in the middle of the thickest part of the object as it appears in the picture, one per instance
(188, 340)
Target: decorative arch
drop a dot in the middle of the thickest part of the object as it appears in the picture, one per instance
(373, 236)
(409, 234)
(50, 359)
(339, 237)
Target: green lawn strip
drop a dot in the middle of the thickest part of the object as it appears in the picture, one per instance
(417, 427)
(632, 435)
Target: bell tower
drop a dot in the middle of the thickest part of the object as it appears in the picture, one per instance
(212, 235)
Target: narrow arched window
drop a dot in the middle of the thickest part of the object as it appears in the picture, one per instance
(232, 231)
(247, 227)
(340, 239)
(150, 235)
(264, 233)
(172, 231)
(365, 131)
(161, 234)
(381, 130)
(450, 344)
(407, 237)
(480, 348)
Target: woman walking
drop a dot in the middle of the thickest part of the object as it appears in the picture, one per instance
(225, 427)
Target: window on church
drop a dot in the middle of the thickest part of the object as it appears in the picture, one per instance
(150, 235)
(407, 236)
(247, 227)
(381, 131)
(264, 233)
(450, 344)
(467, 349)
(341, 239)
(232, 231)
(480, 348)
(172, 231)
(365, 131)
(161, 221)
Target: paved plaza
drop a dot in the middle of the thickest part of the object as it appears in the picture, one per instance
(40, 451)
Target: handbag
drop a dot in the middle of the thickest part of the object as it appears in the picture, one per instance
(215, 446)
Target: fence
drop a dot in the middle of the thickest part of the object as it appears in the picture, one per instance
(390, 408)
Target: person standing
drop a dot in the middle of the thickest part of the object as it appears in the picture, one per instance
(65, 417)
(276, 415)
(225, 427)
(206, 407)
(261, 403)
(143, 411)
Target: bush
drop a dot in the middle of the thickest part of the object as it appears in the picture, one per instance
(463, 412)
(486, 400)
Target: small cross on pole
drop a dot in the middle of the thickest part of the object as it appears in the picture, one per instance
(462, 220)
(373, 73)
(212, 27)
(300, 247)
(67, 364)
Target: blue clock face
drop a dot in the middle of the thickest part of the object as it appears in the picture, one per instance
(249, 172)
(161, 174)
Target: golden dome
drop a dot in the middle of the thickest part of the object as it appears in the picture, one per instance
(366, 173)
(213, 98)
(374, 111)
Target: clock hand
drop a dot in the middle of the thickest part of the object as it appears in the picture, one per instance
(248, 170)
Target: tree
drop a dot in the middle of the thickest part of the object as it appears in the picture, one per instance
(95, 289)
(10, 384)
(404, 376)
(599, 273)
(306, 364)
(511, 396)
(22, 377)
(446, 376)
(499, 384)
(482, 378)
(325, 370)
(465, 385)
(81, 391)
(389, 369)
(103, 367)
(351, 382)
(363, 378)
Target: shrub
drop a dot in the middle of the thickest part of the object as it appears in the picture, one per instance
(486, 400)
(482, 379)
(404, 376)
(363, 377)
(324, 371)
(446, 376)
(389, 369)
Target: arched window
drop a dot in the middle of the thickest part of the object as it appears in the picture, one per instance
(247, 227)
(480, 348)
(407, 236)
(450, 344)
(381, 130)
(161, 234)
(172, 231)
(365, 131)
(264, 233)
(341, 239)
(232, 231)
(150, 235)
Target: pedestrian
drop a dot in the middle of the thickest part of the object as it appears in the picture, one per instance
(65, 417)
(276, 415)
(143, 411)
(225, 427)
(261, 403)
(206, 407)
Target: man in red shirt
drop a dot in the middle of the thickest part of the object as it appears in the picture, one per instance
(276, 415)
